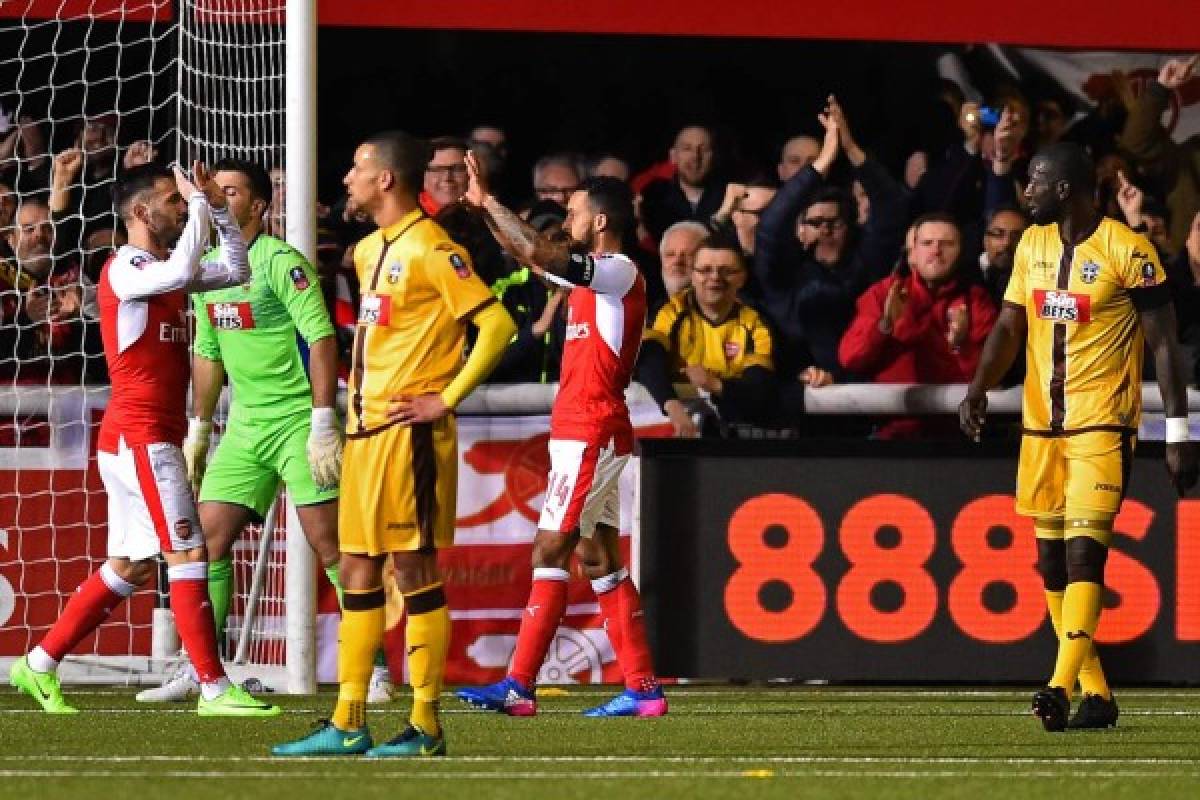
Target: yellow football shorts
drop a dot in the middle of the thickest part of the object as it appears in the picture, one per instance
(1072, 474)
(398, 489)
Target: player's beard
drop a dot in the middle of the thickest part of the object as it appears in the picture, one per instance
(166, 229)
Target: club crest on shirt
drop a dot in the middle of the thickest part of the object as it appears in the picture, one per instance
(299, 278)
(732, 349)
(461, 268)
(395, 270)
(141, 261)
(1089, 272)
(1148, 273)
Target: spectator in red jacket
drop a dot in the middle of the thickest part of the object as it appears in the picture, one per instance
(924, 324)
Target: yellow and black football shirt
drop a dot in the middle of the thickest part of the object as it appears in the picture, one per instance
(416, 286)
(1084, 345)
(726, 348)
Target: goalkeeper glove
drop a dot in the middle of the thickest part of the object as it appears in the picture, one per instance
(195, 450)
(325, 448)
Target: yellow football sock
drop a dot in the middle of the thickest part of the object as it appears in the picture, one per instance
(359, 636)
(427, 638)
(1080, 615)
(1091, 674)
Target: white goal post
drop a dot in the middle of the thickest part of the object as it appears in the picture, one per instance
(195, 79)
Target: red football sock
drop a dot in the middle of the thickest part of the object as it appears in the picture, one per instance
(610, 610)
(194, 619)
(91, 604)
(636, 661)
(547, 604)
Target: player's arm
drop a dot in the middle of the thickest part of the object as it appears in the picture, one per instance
(231, 266)
(183, 269)
(495, 329)
(325, 435)
(294, 282)
(1158, 324)
(514, 234)
(999, 351)
(208, 376)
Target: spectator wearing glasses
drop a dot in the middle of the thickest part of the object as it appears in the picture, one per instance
(705, 336)
(809, 287)
(555, 177)
(696, 192)
(1001, 235)
(444, 183)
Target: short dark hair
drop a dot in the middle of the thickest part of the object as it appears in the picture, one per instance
(937, 216)
(832, 194)
(446, 143)
(256, 175)
(404, 155)
(133, 182)
(724, 240)
(614, 199)
(1069, 162)
(1006, 208)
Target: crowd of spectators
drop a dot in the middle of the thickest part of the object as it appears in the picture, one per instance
(765, 282)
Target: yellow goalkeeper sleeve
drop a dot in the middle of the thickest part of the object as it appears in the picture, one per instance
(496, 330)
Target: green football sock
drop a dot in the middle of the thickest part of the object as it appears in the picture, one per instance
(220, 593)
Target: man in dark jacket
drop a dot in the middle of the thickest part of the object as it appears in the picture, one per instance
(809, 288)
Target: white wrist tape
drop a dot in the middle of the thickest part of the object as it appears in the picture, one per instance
(324, 419)
(1177, 430)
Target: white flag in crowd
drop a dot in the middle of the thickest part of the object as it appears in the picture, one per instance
(1087, 77)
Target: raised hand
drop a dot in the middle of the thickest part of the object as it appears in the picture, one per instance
(735, 193)
(1004, 140)
(1130, 199)
(830, 146)
(853, 152)
(1123, 89)
(894, 306)
(1176, 71)
(67, 166)
(204, 182)
(971, 124)
(958, 325)
(139, 153)
(477, 183)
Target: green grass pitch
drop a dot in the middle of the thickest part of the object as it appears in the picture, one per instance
(717, 742)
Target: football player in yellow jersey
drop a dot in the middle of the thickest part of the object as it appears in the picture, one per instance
(418, 293)
(1084, 291)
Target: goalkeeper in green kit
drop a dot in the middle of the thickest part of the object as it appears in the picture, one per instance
(281, 426)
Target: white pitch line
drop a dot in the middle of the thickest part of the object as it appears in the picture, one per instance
(426, 774)
(676, 712)
(816, 691)
(641, 759)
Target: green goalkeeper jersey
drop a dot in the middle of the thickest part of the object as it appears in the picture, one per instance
(252, 329)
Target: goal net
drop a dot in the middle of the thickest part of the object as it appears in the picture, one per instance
(88, 88)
